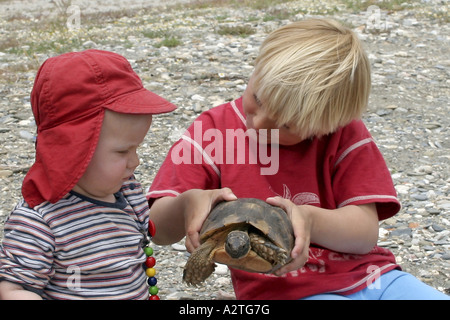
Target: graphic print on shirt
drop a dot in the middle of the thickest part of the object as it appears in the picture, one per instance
(301, 198)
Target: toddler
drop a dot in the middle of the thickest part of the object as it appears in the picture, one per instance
(78, 231)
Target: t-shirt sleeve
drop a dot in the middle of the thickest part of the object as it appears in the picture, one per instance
(26, 253)
(360, 174)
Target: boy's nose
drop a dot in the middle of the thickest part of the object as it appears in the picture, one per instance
(134, 161)
(259, 122)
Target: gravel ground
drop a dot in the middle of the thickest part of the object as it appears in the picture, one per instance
(200, 54)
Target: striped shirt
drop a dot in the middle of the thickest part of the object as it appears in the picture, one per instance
(78, 248)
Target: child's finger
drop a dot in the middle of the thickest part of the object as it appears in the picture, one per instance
(199, 215)
(191, 242)
(299, 256)
(284, 204)
(223, 194)
(300, 250)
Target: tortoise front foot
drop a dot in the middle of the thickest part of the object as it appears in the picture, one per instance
(199, 265)
(196, 275)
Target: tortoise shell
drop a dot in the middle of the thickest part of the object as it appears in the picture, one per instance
(247, 234)
(271, 221)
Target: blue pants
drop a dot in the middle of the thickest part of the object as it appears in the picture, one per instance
(393, 285)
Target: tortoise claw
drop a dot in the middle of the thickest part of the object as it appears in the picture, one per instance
(268, 250)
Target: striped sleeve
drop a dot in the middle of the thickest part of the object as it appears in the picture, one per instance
(26, 254)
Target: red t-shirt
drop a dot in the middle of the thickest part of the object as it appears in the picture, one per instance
(343, 168)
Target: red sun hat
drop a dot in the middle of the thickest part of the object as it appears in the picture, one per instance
(69, 98)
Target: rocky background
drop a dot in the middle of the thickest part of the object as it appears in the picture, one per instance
(199, 54)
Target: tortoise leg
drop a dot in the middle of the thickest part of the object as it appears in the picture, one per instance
(268, 250)
(200, 264)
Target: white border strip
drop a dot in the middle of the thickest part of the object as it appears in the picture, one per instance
(359, 198)
(238, 113)
(353, 147)
(365, 279)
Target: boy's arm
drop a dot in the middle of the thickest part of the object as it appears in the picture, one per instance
(350, 229)
(176, 217)
(13, 291)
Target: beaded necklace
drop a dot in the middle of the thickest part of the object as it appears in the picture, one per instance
(150, 263)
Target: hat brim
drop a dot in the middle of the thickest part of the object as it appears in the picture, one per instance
(141, 101)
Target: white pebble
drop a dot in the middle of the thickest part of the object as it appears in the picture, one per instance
(178, 247)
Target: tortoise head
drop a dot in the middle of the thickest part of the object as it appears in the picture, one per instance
(237, 244)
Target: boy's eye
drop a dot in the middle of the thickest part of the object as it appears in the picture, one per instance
(258, 102)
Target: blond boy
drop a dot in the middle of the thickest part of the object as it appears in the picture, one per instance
(304, 101)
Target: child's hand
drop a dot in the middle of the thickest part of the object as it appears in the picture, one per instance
(198, 205)
(302, 225)
(13, 291)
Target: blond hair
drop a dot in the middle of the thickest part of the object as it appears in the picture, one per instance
(312, 75)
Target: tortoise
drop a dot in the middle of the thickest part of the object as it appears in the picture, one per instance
(247, 234)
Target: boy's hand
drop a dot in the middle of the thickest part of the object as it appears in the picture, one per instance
(198, 206)
(302, 225)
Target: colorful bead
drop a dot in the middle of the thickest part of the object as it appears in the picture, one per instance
(150, 272)
(153, 290)
(148, 251)
(151, 228)
(152, 281)
(150, 262)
